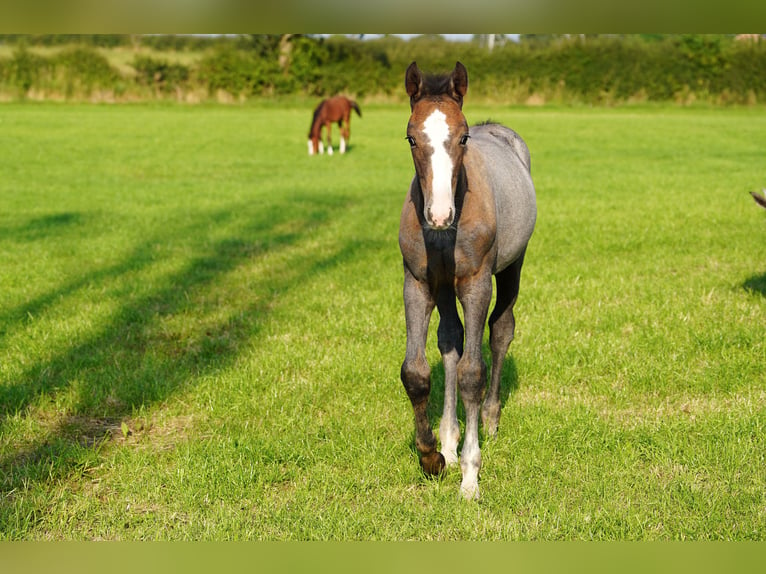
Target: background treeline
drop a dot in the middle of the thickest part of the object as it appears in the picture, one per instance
(721, 69)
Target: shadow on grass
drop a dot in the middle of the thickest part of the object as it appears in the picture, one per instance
(42, 227)
(756, 284)
(135, 360)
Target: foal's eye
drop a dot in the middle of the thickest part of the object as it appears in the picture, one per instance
(464, 139)
(410, 140)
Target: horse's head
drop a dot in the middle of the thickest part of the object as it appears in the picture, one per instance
(437, 133)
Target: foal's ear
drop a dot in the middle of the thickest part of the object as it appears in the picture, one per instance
(413, 82)
(459, 82)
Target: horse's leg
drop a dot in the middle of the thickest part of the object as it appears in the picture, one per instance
(474, 293)
(328, 125)
(416, 373)
(450, 335)
(344, 126)
(501, 328)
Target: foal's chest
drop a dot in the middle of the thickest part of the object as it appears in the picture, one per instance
(455, 258)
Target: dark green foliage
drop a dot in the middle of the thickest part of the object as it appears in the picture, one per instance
(76, 70)
(100, 40)
(84, 69)
(235, 71)
(22, 70)
(340, 65)
(566, 69)
(160, 74)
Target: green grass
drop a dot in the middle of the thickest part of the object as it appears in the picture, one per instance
(201, 330)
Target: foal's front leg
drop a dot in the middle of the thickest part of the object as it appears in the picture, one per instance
(416, 373)
(450, 335)
(474, 294)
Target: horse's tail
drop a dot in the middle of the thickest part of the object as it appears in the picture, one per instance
(356, 107)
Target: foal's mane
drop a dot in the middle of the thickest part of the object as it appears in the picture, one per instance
(436, 84)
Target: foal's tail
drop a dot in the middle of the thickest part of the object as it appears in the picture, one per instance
(356, 107)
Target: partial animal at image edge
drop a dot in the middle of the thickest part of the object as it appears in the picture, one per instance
(760, 198)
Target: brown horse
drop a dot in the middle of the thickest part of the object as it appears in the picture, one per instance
(335, 109)
(468, 215)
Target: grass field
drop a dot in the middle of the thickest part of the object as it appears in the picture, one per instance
(201, 330)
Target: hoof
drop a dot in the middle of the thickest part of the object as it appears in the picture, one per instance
(490, 420)
(469, 491)
(490, 430)
(433, 463)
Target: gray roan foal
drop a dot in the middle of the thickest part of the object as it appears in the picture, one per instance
(468, 215)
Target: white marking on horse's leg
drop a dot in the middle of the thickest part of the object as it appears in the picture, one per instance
(470, 456)
(329, 150)
(449, 430)
(321, 146)
(442, 203)
(449, 434)
(342, 144)
(311, 148)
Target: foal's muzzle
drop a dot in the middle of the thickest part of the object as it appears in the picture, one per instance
(439, 220)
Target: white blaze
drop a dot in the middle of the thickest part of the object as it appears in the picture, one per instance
(437, 130)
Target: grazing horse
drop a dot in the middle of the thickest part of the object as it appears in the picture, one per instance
(468, 215)
(335, 109)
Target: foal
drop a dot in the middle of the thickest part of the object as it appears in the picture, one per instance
(468, 215)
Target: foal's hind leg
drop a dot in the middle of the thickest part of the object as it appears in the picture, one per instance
(416, 373)
(502, 325)
(450, 336)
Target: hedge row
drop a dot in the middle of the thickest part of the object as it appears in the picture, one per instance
(591, 70)
(73, 71)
